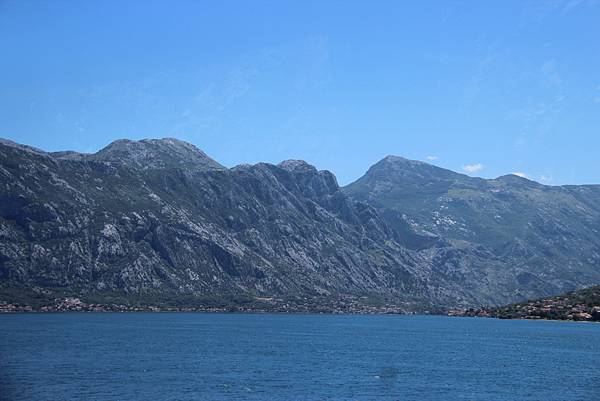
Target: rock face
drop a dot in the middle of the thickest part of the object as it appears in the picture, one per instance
(531, 240)
(159, 219)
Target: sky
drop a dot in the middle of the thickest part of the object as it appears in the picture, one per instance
(482, 87)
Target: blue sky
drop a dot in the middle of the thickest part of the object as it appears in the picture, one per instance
(489, 87)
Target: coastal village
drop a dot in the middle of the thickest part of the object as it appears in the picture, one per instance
(262, 305)
(582, 305)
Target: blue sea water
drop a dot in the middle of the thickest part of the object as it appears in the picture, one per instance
(192, 356)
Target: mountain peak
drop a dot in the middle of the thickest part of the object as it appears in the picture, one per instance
(392, 160)
(395, 159)
(517, 180)
(395, 176)
(297, 166)
(401, 168)
(157, 153)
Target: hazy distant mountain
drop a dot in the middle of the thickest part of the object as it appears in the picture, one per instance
(159, 219)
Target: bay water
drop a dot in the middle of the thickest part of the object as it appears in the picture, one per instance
(202, 356)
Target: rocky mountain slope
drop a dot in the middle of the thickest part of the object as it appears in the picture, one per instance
(546, 238)
(159, 222)
(159, 219)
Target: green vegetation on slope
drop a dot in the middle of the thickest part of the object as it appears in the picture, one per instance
(577, 305)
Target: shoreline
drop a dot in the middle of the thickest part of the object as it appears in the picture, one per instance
(279, 307)
(73, 304)
(267, 312)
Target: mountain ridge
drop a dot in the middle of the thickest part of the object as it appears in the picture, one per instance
(158, 219)
(66, 153)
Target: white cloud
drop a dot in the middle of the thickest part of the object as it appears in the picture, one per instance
(473, 168)
(520, 174)
(432, 158)
(545, 179)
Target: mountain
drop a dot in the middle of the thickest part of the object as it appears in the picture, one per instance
(158, 222)
(157, 219)
(545, 238)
